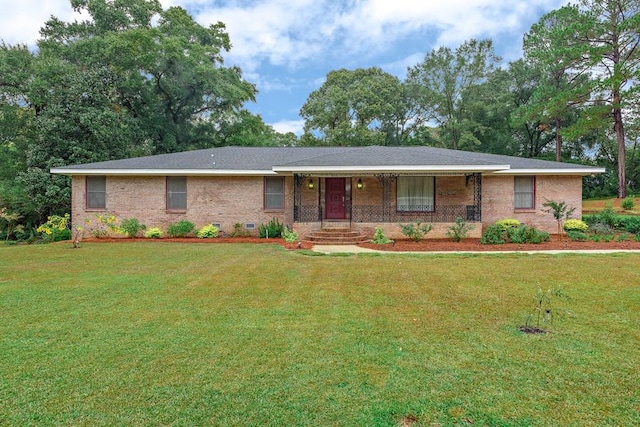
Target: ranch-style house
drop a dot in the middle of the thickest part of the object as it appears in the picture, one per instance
(320, 188)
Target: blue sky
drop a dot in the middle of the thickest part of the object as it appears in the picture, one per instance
(286, 47)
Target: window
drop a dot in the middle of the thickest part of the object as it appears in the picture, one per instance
(274, 193)
(96, 192)
(176, 192)
(524, 191)
(415, 193)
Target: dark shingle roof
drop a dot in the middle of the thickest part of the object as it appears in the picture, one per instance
(288, 159)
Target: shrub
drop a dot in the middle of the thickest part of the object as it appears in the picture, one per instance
(508, 223)
(273, 229)
(105, 223)
(417, 231)
(132, 227)
(607, 215)
(207, 232)
(493, 235)
(459, 230)
(379, 238)
(532, 235)
(628, 203)
(577, 235)
(600, 228)
(181, 228)
(575, 225)
(636, 237)
(629, 223)
(289, 236)
(517, 234)
(239, 230)
(623, 237)
(56, 228)
(153, 233)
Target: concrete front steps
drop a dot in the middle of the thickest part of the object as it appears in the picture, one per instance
(336, 236)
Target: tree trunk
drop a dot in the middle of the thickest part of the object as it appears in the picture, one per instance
(622, 164)
(558, 142)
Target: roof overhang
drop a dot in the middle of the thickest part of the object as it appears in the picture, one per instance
(161, 172)
(559, 171)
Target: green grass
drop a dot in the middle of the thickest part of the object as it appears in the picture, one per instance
(158, 333)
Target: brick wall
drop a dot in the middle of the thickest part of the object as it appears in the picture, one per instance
(497, 200)
(220, 200)
(230, 200)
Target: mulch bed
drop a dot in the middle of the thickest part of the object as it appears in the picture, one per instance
(556, 243)
(405, 245)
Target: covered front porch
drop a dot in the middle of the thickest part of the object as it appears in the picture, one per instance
(364, 201)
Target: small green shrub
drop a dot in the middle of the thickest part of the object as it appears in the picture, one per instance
(577, 236)
(575, 225)
(272, 229)
(607, 237)
(459, 230)
(209, 231)
(532, 235)
(623, 237)
(600, 228)
(181, 228)
(508, 223)
(153, 233)
(630, 223)
(132, 227)
(289, 236)
(607, 215)
(493, 235)
(379, 238)
(636, 237)
(628, 203)
(239, 230)
(417, 231)
(517, 234)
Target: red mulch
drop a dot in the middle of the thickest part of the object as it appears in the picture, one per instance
(556, 243)
(426, 245)
(281, 242)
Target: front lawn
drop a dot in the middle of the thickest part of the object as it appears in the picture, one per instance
(157, 333)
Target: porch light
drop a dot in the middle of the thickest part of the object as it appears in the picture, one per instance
(310, 184)
(359, 184)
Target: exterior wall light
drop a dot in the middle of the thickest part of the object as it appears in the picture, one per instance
(360, 185)
(310, 184)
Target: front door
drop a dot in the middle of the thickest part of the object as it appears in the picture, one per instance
(335, 198)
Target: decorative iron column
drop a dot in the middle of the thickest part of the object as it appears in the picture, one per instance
(477, 196)
(386, 179)
(298, 181)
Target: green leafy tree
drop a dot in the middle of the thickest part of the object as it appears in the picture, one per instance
(440, 82)
(134, 79)
(353, 107)
(599, 38)
(561, 87)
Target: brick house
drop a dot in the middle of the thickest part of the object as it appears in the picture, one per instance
(314, 188)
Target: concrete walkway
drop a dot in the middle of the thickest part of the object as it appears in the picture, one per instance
(354, 249)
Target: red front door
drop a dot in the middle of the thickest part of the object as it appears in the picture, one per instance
(334, 198)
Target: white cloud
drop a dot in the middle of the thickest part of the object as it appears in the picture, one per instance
(285, 126)
(20, 22)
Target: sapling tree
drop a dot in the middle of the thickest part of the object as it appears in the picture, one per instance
(560, 211)
(543, 309)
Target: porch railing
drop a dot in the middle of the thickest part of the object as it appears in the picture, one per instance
(378, 213)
